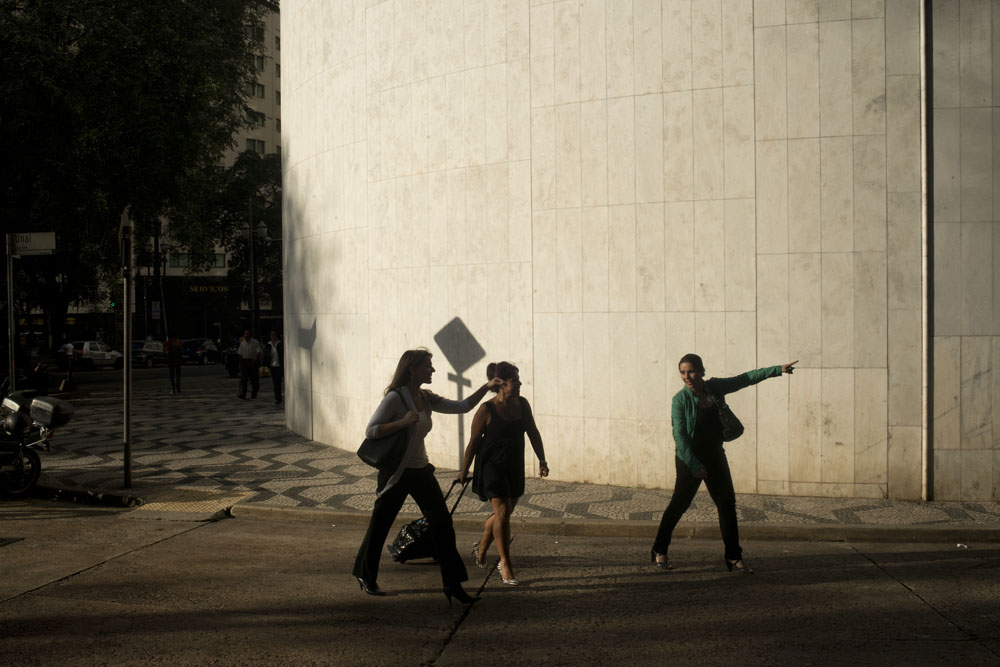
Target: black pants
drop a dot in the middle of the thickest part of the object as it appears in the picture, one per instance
(175, 377)
(249, 371)
(422, 485)
(720, 487)
(277, 375)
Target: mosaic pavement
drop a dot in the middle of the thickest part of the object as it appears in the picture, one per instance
(207, 443)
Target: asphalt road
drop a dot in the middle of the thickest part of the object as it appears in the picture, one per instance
(106, 379)
(90, 586)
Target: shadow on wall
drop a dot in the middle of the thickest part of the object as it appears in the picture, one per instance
(462, 350)
(299, 315)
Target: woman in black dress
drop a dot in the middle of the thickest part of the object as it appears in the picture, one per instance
(497, 444)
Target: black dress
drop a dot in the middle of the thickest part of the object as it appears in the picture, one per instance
(499, 468)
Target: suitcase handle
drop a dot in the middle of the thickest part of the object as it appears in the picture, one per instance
(459, 499)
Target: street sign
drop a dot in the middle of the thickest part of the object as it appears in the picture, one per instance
(34, 243)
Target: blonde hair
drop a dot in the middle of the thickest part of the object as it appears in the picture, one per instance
(404, 371)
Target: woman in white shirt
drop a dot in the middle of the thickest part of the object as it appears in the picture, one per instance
(406, 405)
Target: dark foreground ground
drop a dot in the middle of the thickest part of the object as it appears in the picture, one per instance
(83, 585)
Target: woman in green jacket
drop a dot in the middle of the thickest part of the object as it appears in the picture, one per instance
(701, 456)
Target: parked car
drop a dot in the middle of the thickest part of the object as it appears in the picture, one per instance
(148, 353)
(200, 350)
(92, 354)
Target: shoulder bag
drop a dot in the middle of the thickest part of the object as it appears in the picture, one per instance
(732, 427)
(385, 453)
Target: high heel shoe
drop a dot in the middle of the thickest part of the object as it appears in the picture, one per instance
(475, 553)
(370, 587)
(510, 582)
(662, 564)
(456, 591)
(731, 565)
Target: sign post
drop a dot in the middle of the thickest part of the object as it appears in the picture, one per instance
(125, 230)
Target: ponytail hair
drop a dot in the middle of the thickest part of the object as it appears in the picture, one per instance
(503, 370)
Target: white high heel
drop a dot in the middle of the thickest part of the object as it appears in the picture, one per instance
(509, 582)
(475, 553)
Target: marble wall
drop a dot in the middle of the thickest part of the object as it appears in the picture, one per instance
(596, 187)
(966, 249)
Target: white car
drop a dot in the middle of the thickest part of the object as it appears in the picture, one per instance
(95, 354)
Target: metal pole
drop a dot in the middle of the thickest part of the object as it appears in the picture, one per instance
(253, 276)
(126, 246)
(10, 311)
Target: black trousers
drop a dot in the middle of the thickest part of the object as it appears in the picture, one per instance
(423, 486)
(175, 377)
(249, 371)
(277, 375)
(720, 487)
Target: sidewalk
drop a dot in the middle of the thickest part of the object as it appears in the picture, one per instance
(203, 453)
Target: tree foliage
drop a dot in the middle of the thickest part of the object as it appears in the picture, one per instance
(108, 104)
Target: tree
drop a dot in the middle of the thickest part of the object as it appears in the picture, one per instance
(252, 188)
(108, 104)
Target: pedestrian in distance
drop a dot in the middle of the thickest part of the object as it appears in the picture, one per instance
(407, 406)
(274, 354)
(497, 445)
(69, 353)
(250, 353)
(175, 357)
(700, 455)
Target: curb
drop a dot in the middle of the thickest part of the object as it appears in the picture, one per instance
(647, 529)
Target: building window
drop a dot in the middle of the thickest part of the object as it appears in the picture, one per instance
(277, 97)
(277, 70)
(277, 124)
(260, 63)
(277, 42)
(256, 118)
(260, 90)
(255, 146)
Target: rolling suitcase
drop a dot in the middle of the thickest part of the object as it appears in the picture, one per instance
(414, 539)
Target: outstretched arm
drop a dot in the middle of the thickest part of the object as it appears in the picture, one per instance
(535, 438)
(478, 426)
(451, 407)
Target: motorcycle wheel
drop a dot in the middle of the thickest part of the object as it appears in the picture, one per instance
(20, 476)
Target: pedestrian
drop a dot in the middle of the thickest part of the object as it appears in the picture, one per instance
(497, 443)
(274, 351)
(69, 353)
(175, 357)
(250, 353)
(700, 455)
(406, 405)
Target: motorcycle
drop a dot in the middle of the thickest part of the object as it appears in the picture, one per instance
(28, 423)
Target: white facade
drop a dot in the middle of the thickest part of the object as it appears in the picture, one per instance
(596, 187)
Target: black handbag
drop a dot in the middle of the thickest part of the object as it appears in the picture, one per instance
(385, 453)
(732, 427)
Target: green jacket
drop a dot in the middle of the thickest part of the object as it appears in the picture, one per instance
(684, 408)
